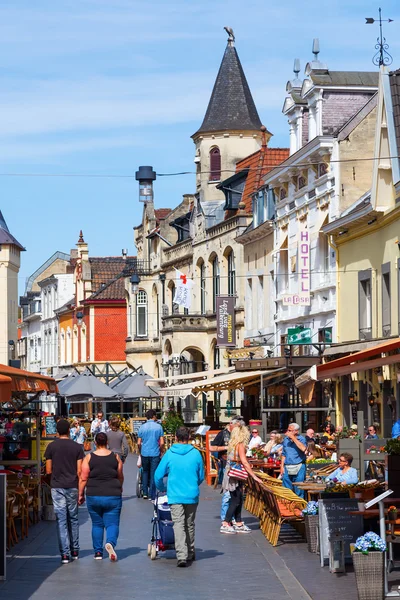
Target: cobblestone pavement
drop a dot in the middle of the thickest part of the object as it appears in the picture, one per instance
(245, 567)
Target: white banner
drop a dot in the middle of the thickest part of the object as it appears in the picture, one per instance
(183, 290)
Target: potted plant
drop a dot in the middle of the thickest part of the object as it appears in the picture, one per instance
(392, 513)
(171, 421)
(392, 448)
(310, 514)
(368, 561)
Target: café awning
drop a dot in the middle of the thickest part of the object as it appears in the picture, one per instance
(18, 386)
(25, 382)
(369, 358)
(231, 381)
(5, 388)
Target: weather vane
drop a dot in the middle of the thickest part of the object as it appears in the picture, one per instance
(382, 57)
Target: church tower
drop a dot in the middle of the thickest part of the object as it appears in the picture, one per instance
(10, 251)
(231, 127)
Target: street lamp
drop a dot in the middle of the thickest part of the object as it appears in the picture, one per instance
(135, 280)
(79, 316)
(145, 176)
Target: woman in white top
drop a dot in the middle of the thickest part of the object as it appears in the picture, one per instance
(255, 441)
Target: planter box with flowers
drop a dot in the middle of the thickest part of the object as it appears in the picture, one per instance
(369, 564)
(310, 514)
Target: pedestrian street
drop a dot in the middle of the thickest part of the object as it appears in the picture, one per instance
(244, 566)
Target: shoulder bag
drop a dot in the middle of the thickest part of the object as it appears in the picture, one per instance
(237, 471)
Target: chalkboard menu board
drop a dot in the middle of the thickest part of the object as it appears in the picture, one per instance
(3, 532)
(334, 517)
(51, 426)
(137, 423)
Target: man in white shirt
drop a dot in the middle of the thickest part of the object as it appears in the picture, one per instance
(255, 441)
(99, 425)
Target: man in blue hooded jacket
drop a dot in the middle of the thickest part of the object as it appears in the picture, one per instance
(182, 464)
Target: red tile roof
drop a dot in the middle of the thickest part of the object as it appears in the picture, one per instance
(162, 213)
(104, 269)
(259, 164)
(113, 290)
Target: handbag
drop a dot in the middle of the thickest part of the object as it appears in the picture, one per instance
(237, 471)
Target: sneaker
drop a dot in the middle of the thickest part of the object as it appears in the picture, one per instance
(75, 554)
(145, 497)
(181, 563)
(227, 529)
(242, 528)
(98, 556)
(65, 559)
(111, 552)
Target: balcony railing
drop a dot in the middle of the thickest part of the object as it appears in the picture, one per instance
(137, 265)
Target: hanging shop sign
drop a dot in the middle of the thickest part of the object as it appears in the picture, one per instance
(299, 335)
(225, 309)
(302, 298)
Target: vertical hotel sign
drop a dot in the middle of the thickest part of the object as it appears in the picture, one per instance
(302, 298)
(225, 308)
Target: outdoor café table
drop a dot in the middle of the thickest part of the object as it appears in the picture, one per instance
(271, 468)
(311, 488)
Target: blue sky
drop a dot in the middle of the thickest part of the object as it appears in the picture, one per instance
(102, 86)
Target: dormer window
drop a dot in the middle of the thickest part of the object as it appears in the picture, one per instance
(282, 194)
(215, 164)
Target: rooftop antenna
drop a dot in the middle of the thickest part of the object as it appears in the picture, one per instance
(382, 57)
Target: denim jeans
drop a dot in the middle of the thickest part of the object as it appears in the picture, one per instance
(289, 481)
(105, 512)
(149, 466)
(65, 502)
(226, 498)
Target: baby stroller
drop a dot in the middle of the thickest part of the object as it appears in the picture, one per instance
(162, 537)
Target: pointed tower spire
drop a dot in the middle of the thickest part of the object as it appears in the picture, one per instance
(231, 106)
(5, 235)
(3, 224)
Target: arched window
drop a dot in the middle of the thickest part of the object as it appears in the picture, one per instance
(215, 164)
(141, 314)
(203, 288)
(216, 281)
(231, 274)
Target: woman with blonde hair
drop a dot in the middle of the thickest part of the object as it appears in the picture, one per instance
(238, 442)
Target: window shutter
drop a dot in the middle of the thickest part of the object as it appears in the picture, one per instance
(215, 165)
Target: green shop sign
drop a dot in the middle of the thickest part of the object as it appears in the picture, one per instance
(298, 335)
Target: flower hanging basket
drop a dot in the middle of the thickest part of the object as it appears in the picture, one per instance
(369, 575)
(311, 523)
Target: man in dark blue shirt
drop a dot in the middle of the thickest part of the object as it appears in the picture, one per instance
(151, 443)
(293, 465)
